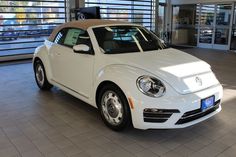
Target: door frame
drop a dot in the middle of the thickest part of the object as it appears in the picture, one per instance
(213, 45)
(205, 45)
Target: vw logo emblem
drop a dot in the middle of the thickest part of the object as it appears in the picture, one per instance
(198, 81)
(81, 16)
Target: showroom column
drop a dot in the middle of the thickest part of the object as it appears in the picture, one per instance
(156, 15)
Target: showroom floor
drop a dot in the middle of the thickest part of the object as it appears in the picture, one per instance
(35, 123)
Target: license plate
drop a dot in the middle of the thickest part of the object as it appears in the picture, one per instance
(207, 103)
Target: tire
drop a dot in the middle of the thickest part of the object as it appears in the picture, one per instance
(40, 76)
(114, 108)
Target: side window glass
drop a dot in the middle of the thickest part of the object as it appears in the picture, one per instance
(83, 38)
(60, 37)
(72, 37)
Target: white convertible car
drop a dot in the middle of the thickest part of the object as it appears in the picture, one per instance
(126, 72)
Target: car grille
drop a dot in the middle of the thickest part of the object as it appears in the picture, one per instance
(198, 113)
(157, 115)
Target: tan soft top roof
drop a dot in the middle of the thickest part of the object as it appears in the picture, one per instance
(84, 24)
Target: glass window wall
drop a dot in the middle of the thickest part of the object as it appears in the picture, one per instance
(140, 12)
(184, 25)
(25, 24)
(223, 18)
(233, 34)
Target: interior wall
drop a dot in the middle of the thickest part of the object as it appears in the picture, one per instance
(75, 3)
(71, 3)
(198, 1)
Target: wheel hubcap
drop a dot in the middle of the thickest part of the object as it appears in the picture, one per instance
(112, 108)
(40, 75)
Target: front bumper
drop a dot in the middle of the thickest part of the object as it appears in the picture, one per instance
(177, 111)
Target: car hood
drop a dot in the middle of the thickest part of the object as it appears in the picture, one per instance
(184, 72)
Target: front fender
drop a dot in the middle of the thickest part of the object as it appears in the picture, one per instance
(123, 76)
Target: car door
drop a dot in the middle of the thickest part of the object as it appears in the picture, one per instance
(72, 70)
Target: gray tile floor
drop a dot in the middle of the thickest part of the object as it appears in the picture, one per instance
(54, 124)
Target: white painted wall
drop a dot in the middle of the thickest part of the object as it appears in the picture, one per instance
(199, 1)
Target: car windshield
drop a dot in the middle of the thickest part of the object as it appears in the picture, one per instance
(127, 39)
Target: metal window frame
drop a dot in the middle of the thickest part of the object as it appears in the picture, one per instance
(25, 47)
(12, 12)
(26, 42)
(56, 1)
(134, 7)
(8, 6)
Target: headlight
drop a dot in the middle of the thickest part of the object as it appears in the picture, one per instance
(151, 86)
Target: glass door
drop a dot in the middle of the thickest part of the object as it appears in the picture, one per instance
(206, 27)
(233, 33)
(222, 26)
(214, 28)
(185, 20)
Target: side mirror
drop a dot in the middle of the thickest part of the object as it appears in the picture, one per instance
(81, 48)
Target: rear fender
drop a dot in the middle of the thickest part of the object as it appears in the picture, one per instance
(42, 53)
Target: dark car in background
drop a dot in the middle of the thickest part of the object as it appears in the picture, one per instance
(9, 32)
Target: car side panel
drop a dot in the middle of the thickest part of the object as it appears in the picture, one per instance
(42, 52)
